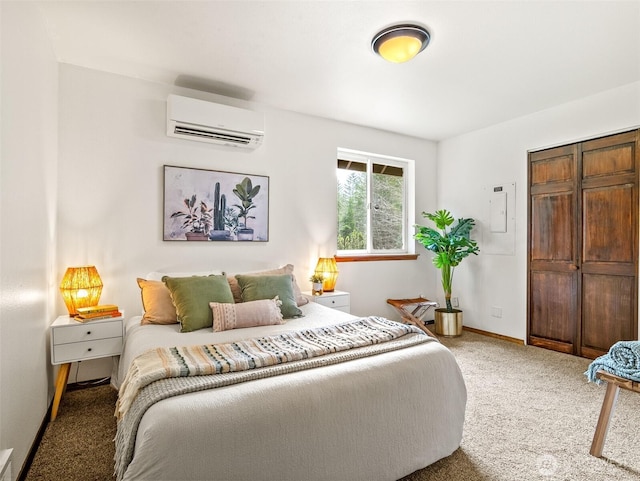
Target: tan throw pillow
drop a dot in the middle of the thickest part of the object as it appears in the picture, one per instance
(288, 269)
(265, 312)
(157, 304)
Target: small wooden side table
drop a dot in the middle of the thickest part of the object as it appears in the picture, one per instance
(614, 383)
(413, 310)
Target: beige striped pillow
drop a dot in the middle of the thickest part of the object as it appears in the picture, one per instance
(264, 312)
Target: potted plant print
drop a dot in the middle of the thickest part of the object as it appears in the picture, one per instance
(219, 233)
(246, 192)
(197, 218)
(231, 221)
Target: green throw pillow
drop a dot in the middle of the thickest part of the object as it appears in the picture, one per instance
(268, 287)
(192, 295)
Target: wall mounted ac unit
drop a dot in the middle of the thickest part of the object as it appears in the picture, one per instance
(195, 119)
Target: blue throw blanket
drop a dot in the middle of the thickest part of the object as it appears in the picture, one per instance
(623, 359)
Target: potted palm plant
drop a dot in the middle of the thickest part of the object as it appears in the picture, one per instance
(451, 244)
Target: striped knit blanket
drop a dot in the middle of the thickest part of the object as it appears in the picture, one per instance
(165, 372)
(164, 362)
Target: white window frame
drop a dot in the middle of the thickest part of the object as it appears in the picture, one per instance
(408, 166)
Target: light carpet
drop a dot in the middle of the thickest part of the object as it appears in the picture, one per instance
(531, 415)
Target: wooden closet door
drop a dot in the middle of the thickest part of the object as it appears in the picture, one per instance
(609, 242)
(583, 245)
(553, 249)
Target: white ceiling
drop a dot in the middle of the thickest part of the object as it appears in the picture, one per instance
(487, 61)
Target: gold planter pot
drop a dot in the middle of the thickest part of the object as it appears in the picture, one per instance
(448, 324)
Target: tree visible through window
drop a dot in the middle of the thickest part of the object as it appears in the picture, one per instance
(372, 203)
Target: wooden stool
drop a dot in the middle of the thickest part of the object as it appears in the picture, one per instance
(614, 383)
(412, 311)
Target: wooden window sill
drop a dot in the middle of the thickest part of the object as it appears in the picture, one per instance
(379, 257)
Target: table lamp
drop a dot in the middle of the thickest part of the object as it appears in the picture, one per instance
(80, 287)
(328, 268)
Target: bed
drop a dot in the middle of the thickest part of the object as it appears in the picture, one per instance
(377, 417)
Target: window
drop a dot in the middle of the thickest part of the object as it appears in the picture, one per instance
(375, 203)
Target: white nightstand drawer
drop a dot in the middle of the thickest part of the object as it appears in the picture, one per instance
(79, 351)
(339, 300)
(87, 331)
(333, 301)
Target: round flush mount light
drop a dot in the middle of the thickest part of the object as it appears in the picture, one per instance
(400, 43)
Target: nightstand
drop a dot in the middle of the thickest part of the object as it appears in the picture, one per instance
(339, 300)
(73, 341)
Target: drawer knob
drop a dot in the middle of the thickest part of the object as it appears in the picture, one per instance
(89, 350)
(88, 333)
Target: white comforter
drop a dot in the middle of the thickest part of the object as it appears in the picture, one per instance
(375, 418)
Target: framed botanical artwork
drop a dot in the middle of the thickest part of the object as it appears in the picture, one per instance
(209, 205)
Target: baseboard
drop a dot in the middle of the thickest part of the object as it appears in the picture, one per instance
(494, 335)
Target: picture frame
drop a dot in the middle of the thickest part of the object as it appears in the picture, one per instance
(215, 206)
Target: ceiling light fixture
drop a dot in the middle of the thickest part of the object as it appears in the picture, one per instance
(400, 43)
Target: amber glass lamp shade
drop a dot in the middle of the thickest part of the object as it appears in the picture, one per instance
(328, 268)
(400, 43)
(80, 287)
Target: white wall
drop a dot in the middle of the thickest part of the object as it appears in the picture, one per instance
(27, 224)
(469, 163)
(112, 150)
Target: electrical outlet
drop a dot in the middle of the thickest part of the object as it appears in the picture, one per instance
(454, 302)
(496, 311)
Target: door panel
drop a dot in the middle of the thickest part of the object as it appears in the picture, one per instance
(610, 160)
(608, 303)
(607, 222)
(609, 155)
(552, 249)
(609, 243)
(552, 320)
(556, 168)
(552, 218)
